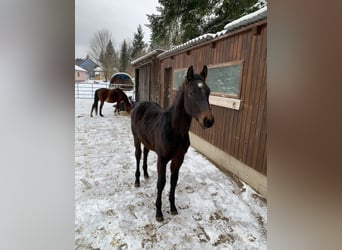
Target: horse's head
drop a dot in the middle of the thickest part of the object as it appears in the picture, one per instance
(196, 97)
(128, 107)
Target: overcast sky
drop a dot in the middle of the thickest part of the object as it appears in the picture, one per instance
(120, 17)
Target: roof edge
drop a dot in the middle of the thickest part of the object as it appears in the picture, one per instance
(247, 19)
(243, 21)
(147, 56)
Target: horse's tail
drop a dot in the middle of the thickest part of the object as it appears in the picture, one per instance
(95, 104)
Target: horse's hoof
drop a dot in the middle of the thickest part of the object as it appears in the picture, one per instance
(174, 212)
(159, 218)
(146, 176)
(137, 184)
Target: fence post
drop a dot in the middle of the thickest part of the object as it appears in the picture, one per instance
(76, 91)
(87, 90)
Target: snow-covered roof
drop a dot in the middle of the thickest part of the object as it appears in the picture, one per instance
(190, 43)
(79, 68)
(147, 56)
(236, 24)
(98, 69)
(247, 19)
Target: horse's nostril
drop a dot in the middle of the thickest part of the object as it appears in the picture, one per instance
(208, 122)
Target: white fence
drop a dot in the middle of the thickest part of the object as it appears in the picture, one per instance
(87, 90)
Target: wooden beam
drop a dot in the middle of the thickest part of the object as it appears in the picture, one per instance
(225, 102)
(256, 30)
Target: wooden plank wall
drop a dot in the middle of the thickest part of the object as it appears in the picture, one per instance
(240, 133)
(155, 85)
(149, 85)
(144, 82)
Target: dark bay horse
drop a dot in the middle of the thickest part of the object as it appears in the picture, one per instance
(166, 131)
(111, 96)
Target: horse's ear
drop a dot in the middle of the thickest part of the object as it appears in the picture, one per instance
(204, 72)
(190, 73)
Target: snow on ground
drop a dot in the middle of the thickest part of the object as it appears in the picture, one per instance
(214, 211)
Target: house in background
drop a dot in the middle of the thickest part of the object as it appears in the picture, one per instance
(89, 66)
(98, 73)
(80, 74)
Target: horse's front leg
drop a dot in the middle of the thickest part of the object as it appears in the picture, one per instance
(101, 106)
(175, 166)
(160, 186)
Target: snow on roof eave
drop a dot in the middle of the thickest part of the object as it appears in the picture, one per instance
(190, 43)
(98, 68)
(240, 22)
(146, 56)
(247, 19)
(79, 68)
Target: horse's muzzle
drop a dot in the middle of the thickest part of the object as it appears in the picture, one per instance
(207, 123)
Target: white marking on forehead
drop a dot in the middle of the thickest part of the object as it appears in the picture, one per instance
(200, 84)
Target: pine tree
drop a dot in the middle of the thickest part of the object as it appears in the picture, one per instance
(230, 10)
(101, 58)
(138, 44)
(109, 60)
(124, 57)
(109, 49)
(180, 21)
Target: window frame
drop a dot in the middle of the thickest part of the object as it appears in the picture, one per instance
(173, 77)
(218, 98)
(227, 100)
(228, 64)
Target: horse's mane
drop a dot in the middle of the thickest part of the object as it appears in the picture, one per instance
(179, 96)
(180, 90)
(174, 118)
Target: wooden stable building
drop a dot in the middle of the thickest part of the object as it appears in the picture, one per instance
(236, 60)
(147, 77)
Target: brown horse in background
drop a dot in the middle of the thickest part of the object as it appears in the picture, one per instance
(166, 131)
(111, 96)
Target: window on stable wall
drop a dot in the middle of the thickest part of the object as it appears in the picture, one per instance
(224, 81)
(178, 77)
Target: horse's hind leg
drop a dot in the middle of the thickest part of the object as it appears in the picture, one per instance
(137, 157)
(145, 162)
(175, 166)
(93, 107)
(91, 111)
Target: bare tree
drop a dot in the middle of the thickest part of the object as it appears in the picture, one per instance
(98, 44)
(102, 51)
